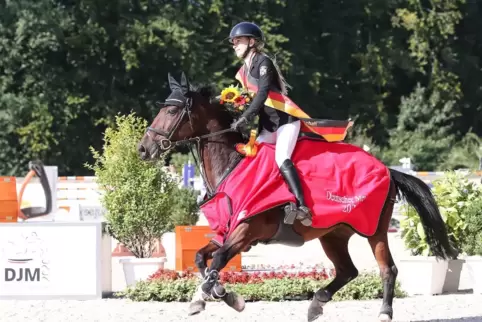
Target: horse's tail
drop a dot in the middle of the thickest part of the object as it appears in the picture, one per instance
(419, 195)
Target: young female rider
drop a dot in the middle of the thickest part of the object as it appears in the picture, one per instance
(276, 126)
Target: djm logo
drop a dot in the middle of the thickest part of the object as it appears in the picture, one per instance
(26, 258)
(22, 274)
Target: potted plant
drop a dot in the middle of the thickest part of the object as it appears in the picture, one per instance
(136, 196)
(472, 246)
(420, 273)
(453, 193)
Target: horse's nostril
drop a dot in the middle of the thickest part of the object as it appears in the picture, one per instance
(142, 151)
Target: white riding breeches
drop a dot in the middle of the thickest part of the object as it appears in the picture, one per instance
(285, 138)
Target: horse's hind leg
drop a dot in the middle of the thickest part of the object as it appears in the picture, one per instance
(388, 273)
(335, 245)
(388, 269)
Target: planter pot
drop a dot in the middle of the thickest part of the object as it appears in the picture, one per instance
(421, 275)
(474, 268)
(168, 241)
(139, 269)
(452, 279)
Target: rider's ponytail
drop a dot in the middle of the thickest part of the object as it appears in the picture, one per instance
(281, 80)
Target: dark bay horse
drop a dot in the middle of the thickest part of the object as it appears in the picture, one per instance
(189, 116)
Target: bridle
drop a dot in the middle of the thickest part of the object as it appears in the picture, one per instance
(166, 144)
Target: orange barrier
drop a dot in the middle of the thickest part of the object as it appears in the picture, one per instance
(189, 239)
(9, 205)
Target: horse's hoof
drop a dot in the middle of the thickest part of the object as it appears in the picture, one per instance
(196, 307)
(315, 311)
(384, 318)
(235, 301)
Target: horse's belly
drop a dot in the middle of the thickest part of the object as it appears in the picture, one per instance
(285, 236)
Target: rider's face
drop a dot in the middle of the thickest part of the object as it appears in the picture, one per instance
(240, 44)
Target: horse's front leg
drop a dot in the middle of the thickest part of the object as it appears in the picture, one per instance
(203, 255)
(198, 301)
(239, 240)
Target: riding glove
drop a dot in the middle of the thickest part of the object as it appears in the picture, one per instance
(240, 123)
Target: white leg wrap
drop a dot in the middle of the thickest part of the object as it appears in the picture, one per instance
(198, 295)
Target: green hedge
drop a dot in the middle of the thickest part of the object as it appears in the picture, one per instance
(168, 286)
(472, 245)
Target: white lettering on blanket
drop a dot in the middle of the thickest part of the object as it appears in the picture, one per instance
(349, 203)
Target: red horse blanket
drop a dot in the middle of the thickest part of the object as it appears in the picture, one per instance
(342, 184)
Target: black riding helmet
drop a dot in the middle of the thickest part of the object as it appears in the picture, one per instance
(247, 29)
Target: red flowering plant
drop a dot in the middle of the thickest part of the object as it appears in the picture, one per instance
(260, 277)
(245, 277)
(171, 275)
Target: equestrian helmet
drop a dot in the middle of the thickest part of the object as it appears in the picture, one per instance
(247, 29)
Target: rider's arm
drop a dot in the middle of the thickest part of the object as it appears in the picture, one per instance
(267, 73)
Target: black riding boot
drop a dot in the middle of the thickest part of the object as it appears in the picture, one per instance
(290, 174)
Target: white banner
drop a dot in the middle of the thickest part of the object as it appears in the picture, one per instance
(50, 260)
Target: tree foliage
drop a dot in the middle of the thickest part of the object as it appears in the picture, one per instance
(407, 71)
(137, 194)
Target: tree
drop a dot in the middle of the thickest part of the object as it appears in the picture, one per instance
(423, 130)
(137, 194)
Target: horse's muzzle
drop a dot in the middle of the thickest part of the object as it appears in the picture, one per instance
(143, 152)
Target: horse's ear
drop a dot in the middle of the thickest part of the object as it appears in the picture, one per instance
(184, 84)
(173, 84)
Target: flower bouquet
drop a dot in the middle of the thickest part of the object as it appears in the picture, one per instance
(237, 100)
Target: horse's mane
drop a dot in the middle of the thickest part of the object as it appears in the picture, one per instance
(221, 157)
(224, 117)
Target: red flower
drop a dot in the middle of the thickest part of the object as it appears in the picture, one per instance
(245, 277)
(170, 275)
(240, 100)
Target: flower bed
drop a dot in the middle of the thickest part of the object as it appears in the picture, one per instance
(169, 286)
(288, 268)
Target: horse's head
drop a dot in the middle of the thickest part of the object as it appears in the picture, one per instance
(186, 115)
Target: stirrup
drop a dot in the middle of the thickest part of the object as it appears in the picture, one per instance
(302, 213)
(291, 212)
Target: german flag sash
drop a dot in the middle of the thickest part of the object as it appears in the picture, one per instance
(330, 130)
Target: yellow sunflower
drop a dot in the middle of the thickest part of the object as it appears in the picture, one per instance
(230, 94)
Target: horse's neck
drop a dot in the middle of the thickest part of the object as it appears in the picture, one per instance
(219, 155)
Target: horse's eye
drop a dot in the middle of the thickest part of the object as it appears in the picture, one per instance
(172, 111)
